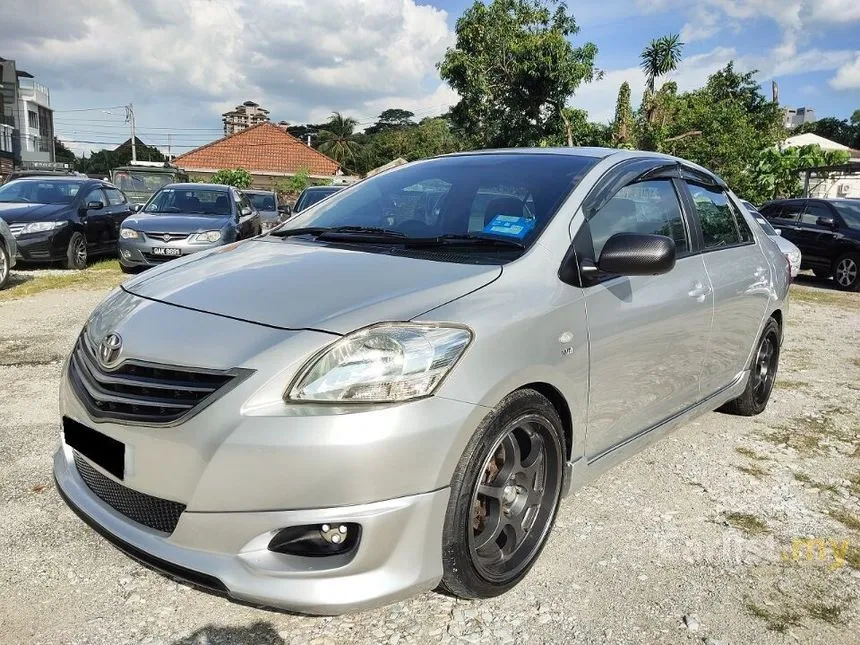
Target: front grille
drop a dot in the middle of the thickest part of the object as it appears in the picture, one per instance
(16, 229)
(166, 237)
(145, 393)
(154, 512)
(158, 259)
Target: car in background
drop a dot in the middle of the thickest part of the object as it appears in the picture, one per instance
(827, 232)
(7, 253)
(266, 203)
(789, 250)
(21, 174)
(63, 219)
(181, 219)
(314, 194)
(141, 179)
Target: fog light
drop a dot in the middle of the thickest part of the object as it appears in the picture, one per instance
(317, 540)
(126, 254)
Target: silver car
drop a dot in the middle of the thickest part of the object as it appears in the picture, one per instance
(392, 393)
(789, 250)
(8, 251)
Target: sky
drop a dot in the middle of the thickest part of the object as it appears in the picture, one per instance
(182, 63)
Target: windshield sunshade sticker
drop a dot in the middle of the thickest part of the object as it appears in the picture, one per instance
(510, 226)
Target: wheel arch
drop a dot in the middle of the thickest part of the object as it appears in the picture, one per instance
(556, 398)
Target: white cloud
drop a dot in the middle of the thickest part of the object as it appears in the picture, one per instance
(848, 76)
(702, 25)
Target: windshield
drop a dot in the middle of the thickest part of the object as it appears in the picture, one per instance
(136, 181)
(768, 229)
(310, 197)
(850, 212)
(197, 201)
(262, 201)
(42, 191)
(502, 196)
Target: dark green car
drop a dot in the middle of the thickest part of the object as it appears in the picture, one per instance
(142, 179)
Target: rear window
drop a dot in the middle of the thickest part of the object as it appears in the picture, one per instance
(262, 202)
(719, 226)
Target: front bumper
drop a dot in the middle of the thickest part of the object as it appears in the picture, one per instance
(48, 246)
(139, 253)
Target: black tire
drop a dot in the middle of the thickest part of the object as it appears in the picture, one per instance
(846, 272)
(521, 439)
(754, 399)
(5, 264)
(76, 252)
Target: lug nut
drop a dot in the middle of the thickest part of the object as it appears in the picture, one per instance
(325, 528)
(335, 538)
(341, 528)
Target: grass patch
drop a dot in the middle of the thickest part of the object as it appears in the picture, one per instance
(100, 275)
(797, 386)
(855, 483)
(826, 612)
(852, 557)
(803, 478)
(747, 523)
(754, 471)
(856, 361)
(750, 453)
(847, 519)
(777, 621)
(823, 297)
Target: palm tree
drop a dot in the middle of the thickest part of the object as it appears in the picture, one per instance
(660, 57)
(337, 140)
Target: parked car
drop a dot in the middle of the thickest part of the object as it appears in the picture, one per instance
(141, 179)
(271, 211)
(21, 174)
(182, 219)
(63, 219)
(8, 251)
(827, 232)
(367, 395)
(789, 250)
(313, 194)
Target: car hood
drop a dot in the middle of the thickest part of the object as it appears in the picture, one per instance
(784, 245)
(14, 212)
(290, 284)
(179, 223)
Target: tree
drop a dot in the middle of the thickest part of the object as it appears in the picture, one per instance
(237, 177)
(103, 161)
(337, 139)
(514, 68)
(841, 131)
(392, 119)
(660, 57)
(622, 124)
(777, 172)
(63, 154)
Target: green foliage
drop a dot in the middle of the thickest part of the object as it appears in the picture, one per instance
(237, 177)
(622, 124)
(514, 68)
(660, 57)
(776, 175)
(338, 140)
(431, 137)
(103, 161)
(392, 119)
(582, 131)
(63, 154)
(295, 184)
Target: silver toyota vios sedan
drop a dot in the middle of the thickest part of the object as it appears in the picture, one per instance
(394, 390)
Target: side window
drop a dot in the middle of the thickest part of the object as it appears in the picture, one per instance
(95, 195)
(770, 211)
(743, 227)
(814, 210)
(792, 211)
(649, 207)
(115, 198)
(719, 228)
(244, 203)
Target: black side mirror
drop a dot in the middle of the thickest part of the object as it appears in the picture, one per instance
(637, 254)
(285, 209)
(95, 206)
(829, 222)
(136, 208)
(246, 211)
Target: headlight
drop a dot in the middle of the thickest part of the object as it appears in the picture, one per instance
(384, 363)
(205, 238)
(41, 227)
(128, 234)
(793, 258)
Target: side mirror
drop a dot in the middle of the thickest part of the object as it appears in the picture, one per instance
(828, 222)
(637, 254)
(246, 211)
(136, 208)
(778, 231)
(95, 206)
(285, 209)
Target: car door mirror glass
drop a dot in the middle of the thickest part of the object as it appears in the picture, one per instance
(637, 254)
(136, 208)
(95, 206)
(829, 222)
(246, 210)
(778, 231)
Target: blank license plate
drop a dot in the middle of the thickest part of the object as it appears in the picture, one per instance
(158, 250)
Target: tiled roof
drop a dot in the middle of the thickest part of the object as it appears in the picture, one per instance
(263, 148)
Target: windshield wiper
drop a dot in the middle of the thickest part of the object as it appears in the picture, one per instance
(466, 239)
(346, 233)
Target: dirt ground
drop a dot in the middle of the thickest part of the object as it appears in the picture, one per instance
(732, 530)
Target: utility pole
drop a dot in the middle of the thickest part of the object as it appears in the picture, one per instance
(129, 117)
(169, 156)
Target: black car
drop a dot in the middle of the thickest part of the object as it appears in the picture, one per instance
(827, 232)
(63, 219)
(21, 174)
(271, 211)
(312, 195)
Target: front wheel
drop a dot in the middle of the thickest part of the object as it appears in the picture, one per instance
(76, 252)
(5, 264)
(504, 497)
(846, 272)
(763, 368)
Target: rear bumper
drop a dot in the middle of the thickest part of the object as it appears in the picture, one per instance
(399, 554)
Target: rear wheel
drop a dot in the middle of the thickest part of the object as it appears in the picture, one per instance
(846, 272)
(504, 497)
(76, 252)
(4, 264)
(765, 361)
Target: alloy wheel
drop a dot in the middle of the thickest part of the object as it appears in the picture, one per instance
(4, 268)
(81, 253)
(846, 272)
(514, 499)
(764, 367)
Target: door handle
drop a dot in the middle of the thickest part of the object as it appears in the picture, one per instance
(699, 291)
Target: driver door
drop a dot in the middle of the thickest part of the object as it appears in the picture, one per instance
(97, 222)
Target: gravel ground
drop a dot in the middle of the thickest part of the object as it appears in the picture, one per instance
(695, 540)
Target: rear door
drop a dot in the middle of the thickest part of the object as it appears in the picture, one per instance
(816, 241)
(740, 276)
(648, 335)
(786, 216)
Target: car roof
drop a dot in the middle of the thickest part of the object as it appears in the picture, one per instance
(310, 188)
(258, 191)
(223, 187)
(73, 179)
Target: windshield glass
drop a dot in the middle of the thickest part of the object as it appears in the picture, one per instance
(136, 181)
(262, 202)
(310, 197)
(196, 201)
(507, 196)
(850, 212)
(768, 229)
(42, 191)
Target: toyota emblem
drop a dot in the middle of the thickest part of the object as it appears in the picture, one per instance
(109, 349)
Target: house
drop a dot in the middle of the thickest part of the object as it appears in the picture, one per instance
(266, 150)
(244, 116)
(26, 119)
(832, 181)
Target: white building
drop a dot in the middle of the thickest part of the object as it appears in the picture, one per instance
(793, 117)
(243, 117)
(35, 121)
(842, 182)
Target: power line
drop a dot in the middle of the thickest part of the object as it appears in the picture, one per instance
(94, 109)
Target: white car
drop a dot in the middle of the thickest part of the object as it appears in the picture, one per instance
(789, 250)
